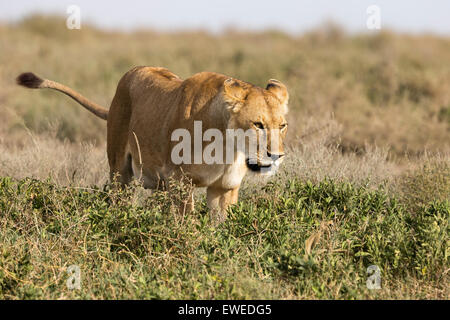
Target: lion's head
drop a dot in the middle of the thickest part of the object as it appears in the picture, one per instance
(261, 112)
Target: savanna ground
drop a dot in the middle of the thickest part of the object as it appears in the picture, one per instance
(366, 180)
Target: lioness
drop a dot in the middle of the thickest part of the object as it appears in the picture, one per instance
(150, 103)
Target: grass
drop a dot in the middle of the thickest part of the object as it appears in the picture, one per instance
(366, 180)
(130, 247)
(384, 89)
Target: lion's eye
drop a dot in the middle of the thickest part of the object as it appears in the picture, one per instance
(258, 125)
(283, 126)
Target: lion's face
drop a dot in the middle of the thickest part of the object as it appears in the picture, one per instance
(262, 112)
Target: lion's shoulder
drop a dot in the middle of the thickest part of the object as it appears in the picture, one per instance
(205, 84)
(199, 90)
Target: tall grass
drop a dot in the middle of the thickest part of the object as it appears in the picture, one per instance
(366, 180)
(294, 240)
(385, 89)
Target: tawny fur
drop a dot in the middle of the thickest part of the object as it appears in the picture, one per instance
(150, 103)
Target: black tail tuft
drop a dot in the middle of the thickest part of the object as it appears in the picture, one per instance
(29, 80)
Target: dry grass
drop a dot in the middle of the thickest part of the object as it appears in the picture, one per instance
(368, 158)
(64, 163)
(379, 89)
(430, 181)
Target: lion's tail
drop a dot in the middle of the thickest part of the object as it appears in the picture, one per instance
(30, 80)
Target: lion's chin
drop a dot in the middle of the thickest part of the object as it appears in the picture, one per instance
(263, 170)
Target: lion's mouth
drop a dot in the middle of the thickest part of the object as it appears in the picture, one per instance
(255, 167)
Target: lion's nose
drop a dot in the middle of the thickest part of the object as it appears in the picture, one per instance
(274, 156)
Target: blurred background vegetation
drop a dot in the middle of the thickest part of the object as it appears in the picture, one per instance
(387, 89)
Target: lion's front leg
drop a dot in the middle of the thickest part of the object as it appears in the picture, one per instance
(219, 200)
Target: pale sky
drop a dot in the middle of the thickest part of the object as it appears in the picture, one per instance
(414, 16)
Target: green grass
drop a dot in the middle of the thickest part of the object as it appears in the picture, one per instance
(369, 127)
(131, 245)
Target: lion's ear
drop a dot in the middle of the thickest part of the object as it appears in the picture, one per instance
(279, 90)
(235, 93)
